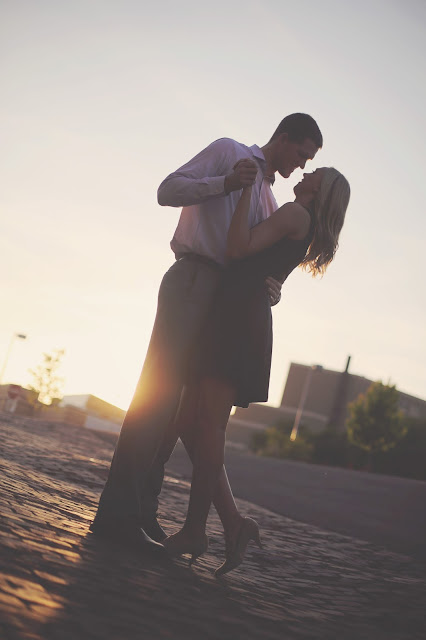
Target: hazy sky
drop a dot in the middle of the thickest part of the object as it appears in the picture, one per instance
(100, 100)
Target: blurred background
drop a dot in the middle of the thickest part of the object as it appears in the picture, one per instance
(101, 99)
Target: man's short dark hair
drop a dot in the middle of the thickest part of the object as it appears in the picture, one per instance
(299, 126)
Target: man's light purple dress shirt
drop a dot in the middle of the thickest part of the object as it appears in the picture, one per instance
(198, 187)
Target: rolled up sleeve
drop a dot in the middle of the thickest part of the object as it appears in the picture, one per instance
(200, 179)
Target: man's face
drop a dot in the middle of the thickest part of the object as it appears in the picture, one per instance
(292, 155)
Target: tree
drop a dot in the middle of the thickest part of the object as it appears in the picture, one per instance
(45, 379)
(375, 423)
(408, 457)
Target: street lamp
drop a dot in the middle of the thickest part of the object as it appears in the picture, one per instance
(304, 395)
(20, 336)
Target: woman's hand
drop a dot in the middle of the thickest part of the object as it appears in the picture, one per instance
(243, 175)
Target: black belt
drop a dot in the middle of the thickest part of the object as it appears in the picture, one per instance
(196, 257)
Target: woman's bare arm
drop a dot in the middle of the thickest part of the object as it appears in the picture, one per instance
(291, 220)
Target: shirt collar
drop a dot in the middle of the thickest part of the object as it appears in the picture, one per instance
(258, 154)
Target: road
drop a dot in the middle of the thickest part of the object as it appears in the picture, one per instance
(385, 510)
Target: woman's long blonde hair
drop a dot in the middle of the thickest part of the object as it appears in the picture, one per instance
(329, 208)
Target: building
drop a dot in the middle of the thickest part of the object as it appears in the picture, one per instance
(95, 406)
(98, 414)
(322, 395)
(16, 399)
(79, 410)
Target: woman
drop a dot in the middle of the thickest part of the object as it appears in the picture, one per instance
(234, 366)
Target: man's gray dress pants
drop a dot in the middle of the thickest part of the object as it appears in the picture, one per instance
(135, 477)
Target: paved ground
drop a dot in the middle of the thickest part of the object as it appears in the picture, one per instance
(386, 510)
(58, 583)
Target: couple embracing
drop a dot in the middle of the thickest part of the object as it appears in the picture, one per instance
(211, 343)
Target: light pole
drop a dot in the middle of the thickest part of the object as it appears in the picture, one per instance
(304, 395)
(21, 336)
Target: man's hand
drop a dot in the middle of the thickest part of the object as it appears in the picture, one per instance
(274, 290)
(243, 175)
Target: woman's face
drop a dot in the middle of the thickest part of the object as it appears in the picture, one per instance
(310, 183)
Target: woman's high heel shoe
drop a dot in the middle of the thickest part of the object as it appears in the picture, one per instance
(249, 530)
(178, 544)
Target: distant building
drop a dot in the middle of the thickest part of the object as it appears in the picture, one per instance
(327, 395)
(16, 399)
(79, 410)
(99, 414)
(95, 406)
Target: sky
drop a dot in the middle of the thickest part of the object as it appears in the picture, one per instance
(101, 99)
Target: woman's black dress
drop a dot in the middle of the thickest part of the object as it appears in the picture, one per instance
(237, 343)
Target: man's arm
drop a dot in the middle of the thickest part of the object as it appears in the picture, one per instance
(210, 174)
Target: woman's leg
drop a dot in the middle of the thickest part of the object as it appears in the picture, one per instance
(185, 427)
(225, 506)
(215, 400)
(201, 423)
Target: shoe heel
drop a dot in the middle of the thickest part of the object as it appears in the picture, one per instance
(193, 559)
(255, 532)
(257, 540)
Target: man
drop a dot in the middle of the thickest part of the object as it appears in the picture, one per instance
(208, 188)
